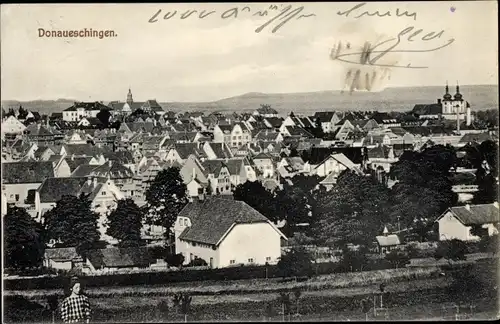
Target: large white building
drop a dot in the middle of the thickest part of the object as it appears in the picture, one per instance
(83, 109)
(226, 232)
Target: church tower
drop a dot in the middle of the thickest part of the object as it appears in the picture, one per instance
(129, 97)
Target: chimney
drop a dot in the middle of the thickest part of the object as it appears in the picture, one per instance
(95, 182)
(386, 231)
(467, 207)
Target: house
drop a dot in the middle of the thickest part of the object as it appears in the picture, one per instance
(288, 167)
(457, 222)
(122, 176)
(265, 163)
(216, 151)
(273, 122)
(265, 111)
(12, 126)
(218, 176)
(387, 242)
(19, 179)
(328, 120)
(75, 137)
(83, 109)
(268, 135)
(43, 135)
(114, 259)
(181, 151)
(240, 171)
(334, 163)
(193, 175)
(233, 135)
(381, 156)
(102, 193)
(62, 258)
(226, 232)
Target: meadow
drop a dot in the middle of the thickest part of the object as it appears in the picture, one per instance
(410, 293)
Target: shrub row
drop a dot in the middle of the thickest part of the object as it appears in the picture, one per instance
(184, 275)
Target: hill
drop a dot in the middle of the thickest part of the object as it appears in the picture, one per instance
(392, 99)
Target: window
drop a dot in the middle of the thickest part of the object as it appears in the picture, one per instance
(232, 262)
(185, 222)
(268, 258)
(250, 260)
(17, 197)
(103, 193)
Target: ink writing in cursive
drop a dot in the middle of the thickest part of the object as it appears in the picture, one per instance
(284, 14)
(354, 10)
(365, 56)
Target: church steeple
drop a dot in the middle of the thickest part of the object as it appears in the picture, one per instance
(447, 95)
(130, 100)
(458, 95)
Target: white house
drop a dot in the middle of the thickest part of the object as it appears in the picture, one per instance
(11, 125)
(457, 222)
(83, 109)
(334, 163)
(226, 232)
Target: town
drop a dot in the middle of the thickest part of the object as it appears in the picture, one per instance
(127, 188)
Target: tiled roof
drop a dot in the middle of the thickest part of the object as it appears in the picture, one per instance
(88, 106)
(83, 170)
(479, 138)
(213, 167)
(266, 135)
(221, 150)
(477, 214)
(52, 189)
(26, 172)
(379, 152)
(427, 109)
(84, 150)
(124, 157)
(63, 254)
(213, 217)
(112, 170)
(234, 166)
(274, 121)
(324, 116)
(389, 240)
(185, 149)
(77, 161)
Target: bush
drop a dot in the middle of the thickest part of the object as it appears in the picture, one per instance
(197, 262)
(174, 260)
(398, 259)
(296, 262)
(453, 250)
(489, 244)
(353, 260)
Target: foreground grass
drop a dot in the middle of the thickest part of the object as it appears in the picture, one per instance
(341, 280)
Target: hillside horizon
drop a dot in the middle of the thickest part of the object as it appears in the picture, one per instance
(480, 97)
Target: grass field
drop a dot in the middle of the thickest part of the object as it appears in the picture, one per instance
(411, 294)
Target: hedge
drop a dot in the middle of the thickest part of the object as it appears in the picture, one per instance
(183, 275)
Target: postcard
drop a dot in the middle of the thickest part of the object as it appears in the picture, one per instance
(295, 161)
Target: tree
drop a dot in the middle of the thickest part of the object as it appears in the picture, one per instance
(197, 262)
(166, 197)
(72, 223)
(398, 259)
(353, 211)
(23, 247)
(353, 260)
(296, 262)
(291, 206)
(175, 260)
(256, 196)
(453, 250)
(104, 116)
(125, 223)
(424, 188)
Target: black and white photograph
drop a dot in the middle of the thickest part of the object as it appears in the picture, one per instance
(249, 162)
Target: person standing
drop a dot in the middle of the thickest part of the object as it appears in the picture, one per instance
(76, 307)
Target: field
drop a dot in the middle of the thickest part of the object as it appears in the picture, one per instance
(411, 294)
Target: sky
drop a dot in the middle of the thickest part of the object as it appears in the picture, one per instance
(207, 59)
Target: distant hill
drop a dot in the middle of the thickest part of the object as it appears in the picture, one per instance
(392, 99)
